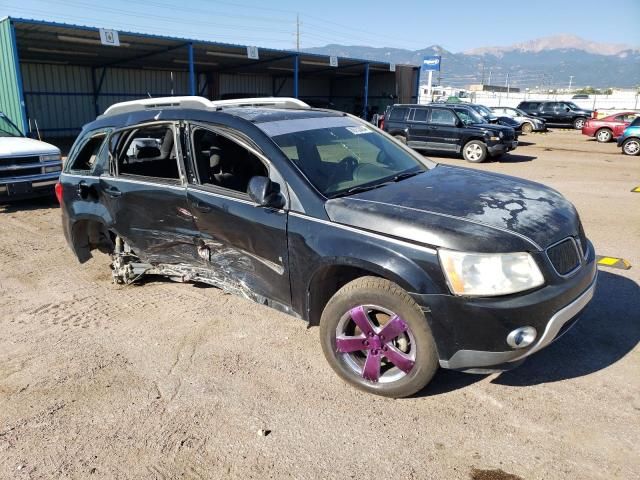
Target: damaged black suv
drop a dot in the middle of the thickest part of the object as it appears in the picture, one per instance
(404, 264)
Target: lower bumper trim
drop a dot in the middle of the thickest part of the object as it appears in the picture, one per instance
(473, 359)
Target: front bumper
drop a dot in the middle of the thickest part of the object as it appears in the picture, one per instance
(32, 186)
(471, 333)
(557, 326)
(503, 147)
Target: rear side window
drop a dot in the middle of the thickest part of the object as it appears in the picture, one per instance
(443, 117)
(85, 159)
(420, 115)
(149, 152)
(398, 114)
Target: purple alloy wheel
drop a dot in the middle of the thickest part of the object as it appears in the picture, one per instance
(376, 344)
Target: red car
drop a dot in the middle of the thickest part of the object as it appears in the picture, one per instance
(607, 128)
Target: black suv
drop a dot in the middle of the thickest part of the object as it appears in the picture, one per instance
(405, 264)
(557, 113)
(450, 129)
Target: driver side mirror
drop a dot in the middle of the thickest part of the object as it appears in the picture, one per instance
(459, 122)
(567, 109)
(265, 193)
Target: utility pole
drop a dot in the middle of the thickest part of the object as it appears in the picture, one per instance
(489, 82)
(482, 74)
(507, 84)
(570, 80)
(297, 32)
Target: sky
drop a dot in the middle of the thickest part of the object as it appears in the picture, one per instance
(413, 24)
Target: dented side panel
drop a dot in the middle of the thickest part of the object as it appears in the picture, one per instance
(153, 218)
(244, 245)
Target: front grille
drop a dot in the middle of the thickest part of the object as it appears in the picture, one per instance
(19, 160)
(564, 256)
(20, 173)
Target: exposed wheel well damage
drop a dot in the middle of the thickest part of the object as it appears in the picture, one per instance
(325, 283)
(89, 235)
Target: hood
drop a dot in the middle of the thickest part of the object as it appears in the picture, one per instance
(19, 146)
(462, 209)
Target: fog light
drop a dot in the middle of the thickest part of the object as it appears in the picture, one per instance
(521, 337)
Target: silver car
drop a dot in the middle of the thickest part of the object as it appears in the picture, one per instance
(528, 123)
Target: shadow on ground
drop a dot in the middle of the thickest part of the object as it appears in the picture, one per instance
(39, 203)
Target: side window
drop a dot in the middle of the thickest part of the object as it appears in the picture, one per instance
(86, 157)
(443, 117)
(398, 114)
(420, 115)
(223, 162)
(149, 152)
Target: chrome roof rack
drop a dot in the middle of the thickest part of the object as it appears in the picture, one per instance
(201, 103)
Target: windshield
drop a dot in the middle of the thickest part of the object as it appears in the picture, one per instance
(484, 111)
(520, 112)
(572, 106)
(7, 128)
(469, 116)
(343, 159)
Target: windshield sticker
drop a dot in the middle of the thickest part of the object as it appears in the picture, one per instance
(359, 130)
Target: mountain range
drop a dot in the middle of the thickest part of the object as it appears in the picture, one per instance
(549, 62)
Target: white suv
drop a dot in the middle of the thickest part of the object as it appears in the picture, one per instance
(28, 167)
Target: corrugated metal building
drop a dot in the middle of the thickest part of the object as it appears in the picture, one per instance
(57, 77)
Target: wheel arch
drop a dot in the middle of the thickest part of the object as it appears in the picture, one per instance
(330, 276)
(88, 232)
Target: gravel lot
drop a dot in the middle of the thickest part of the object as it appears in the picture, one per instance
(166, 380)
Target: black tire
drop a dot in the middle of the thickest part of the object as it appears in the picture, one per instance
(475, 151)
(401, 138)
(527, 127)
(631, 146)
(579, 122)
(604, 135)
(374, 291)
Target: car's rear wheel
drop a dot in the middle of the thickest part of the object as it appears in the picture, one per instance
(631, 146)
(604, 135)
(527, 127)
(377, 339)
(474, 151)
(579, 122)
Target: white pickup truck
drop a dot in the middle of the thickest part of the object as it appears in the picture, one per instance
(28, 168)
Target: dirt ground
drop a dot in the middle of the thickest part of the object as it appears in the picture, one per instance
(166, 380)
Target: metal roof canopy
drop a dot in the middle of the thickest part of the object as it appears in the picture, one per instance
(49, 42)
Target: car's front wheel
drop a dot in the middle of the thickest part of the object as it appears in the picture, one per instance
(474, 151)
(631, 146)
(376, 338)
(527, 127)
(579, 122)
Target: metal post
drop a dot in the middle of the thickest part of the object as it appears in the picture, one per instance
(365, 106)
(419, 70)
(296, 68)
(192, 75)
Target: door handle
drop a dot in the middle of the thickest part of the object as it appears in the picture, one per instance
(112, 191)
(83, 190)
(203, 207)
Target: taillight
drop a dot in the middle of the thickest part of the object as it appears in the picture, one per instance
(59, 192)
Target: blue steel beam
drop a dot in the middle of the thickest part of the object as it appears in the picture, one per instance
(192, 75)
(296, 68)
(365, 107)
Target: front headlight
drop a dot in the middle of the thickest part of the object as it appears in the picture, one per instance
(489, 274)
(50, 157)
